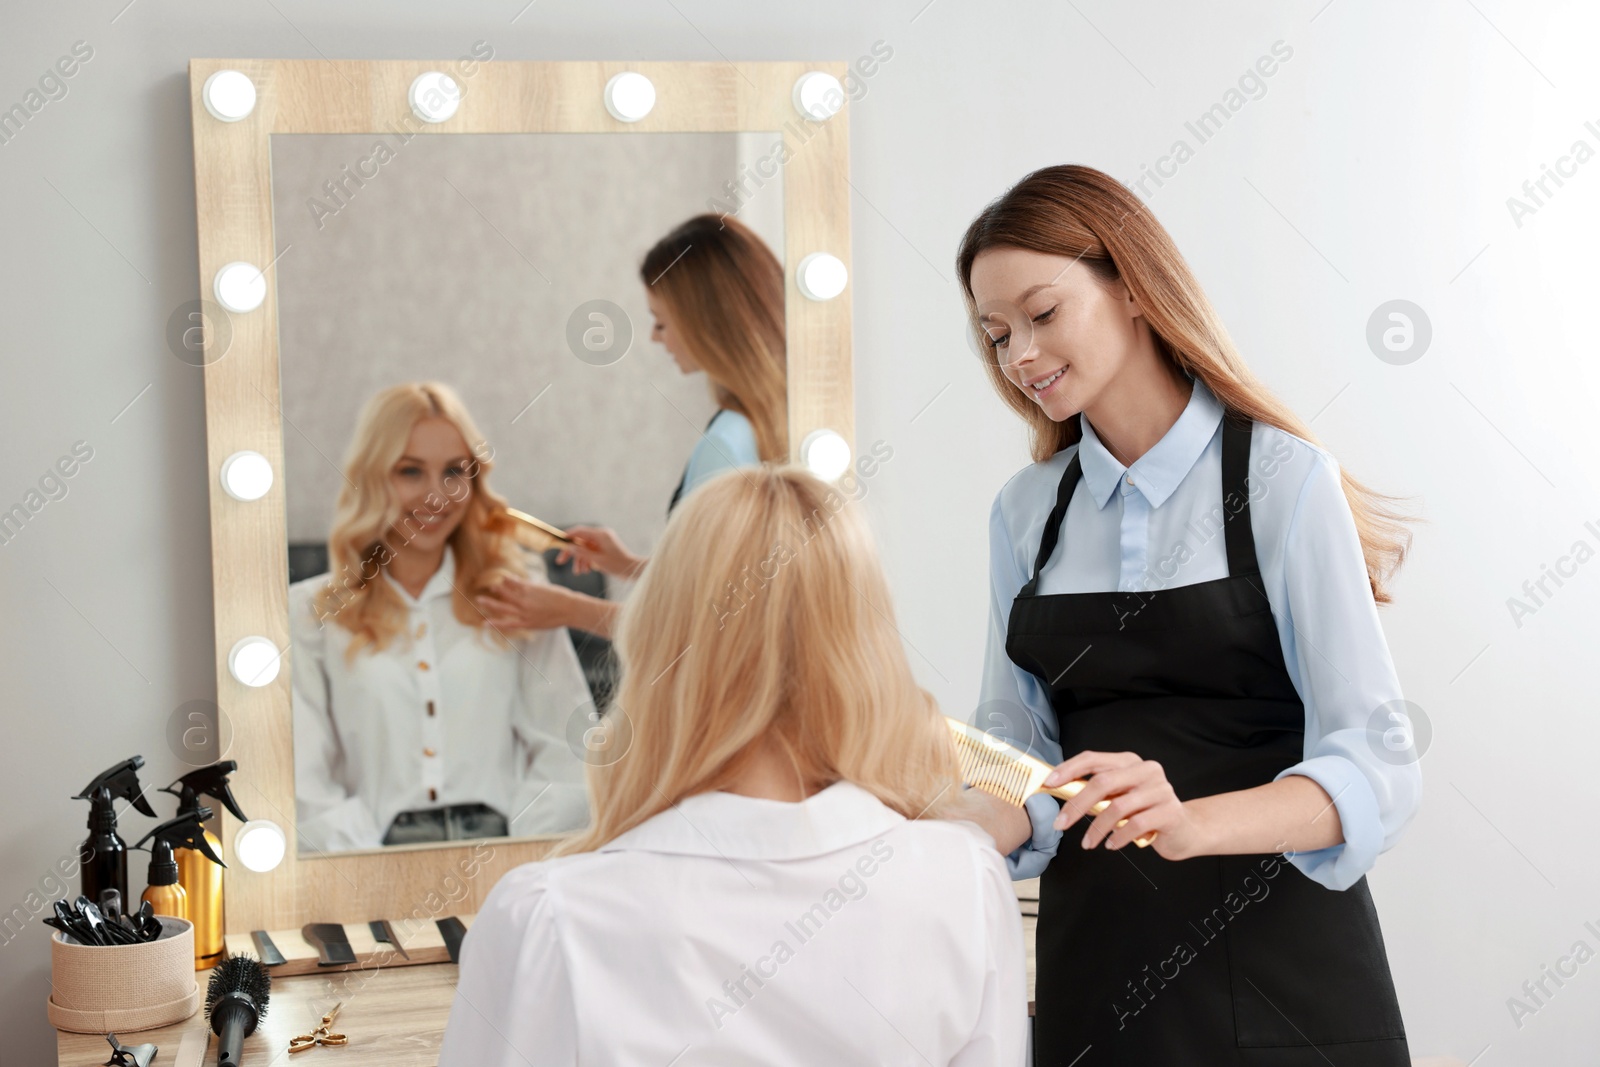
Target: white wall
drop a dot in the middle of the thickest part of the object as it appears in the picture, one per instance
(1376, 166)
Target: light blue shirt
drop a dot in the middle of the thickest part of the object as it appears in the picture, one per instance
(729, 442)
(1158, 524)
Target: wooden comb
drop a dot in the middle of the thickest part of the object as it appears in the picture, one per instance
(1001, 769)
(552, 532)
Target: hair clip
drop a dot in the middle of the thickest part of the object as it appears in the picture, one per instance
(129, 1055)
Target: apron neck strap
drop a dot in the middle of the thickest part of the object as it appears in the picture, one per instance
(1052, 525)
(1241, 542)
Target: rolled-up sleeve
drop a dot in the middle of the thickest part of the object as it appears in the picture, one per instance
(1358, 743)
(1013, 705)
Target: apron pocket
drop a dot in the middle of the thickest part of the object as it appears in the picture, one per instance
(1306, 963)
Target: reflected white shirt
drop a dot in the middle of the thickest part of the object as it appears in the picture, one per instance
(1150, 527)
(737, 930)
(441, 716)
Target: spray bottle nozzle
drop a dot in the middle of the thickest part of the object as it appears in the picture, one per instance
(122, 781)
(209, 781)
(184, 831)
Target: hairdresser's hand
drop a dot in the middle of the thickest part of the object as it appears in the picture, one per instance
(599, 548)
(1139, 792)
(1006, 823)
(517, 604)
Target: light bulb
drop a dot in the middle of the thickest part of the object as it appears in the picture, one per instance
(825, 453)
(630, 96)
(818, 95)
(821, 276)
(240, 287)
(254, 661)
(434, 96)
(246, 475)
(260, 845)
(229, 95)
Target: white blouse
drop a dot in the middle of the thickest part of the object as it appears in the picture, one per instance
(441, 716)
(1158, 524)
(737, 930)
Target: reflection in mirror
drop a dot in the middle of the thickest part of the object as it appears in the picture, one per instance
(470, 326)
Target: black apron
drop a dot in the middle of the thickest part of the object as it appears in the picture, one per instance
(677, 494)
(1214, 960)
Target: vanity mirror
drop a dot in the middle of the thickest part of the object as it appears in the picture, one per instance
(443, 260)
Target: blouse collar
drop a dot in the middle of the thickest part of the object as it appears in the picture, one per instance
(734, 826)
(1159, 471)
(442, 584)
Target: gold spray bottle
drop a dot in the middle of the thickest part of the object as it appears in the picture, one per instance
(200, 877)
(164, 895)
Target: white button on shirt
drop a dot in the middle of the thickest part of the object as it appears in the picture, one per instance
(1158, 525)
(441, 716)
(738, 930)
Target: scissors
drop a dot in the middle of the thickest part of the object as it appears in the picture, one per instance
(321, 1035)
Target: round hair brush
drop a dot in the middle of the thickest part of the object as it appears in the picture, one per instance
(235, 1001)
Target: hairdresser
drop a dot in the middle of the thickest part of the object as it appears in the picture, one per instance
(715, 292)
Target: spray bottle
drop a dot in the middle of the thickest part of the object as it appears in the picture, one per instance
(200, 878)
(103, 856)
(164, 895)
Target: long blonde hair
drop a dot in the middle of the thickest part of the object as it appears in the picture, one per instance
(367, 515)
(723, 289)
(1080, 212)
(764, 615)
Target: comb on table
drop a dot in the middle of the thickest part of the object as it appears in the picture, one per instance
(1001, 769)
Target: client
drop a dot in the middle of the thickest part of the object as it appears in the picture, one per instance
(414, 720)
(766, 878)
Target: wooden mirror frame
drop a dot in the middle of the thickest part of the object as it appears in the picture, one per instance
(233, 200)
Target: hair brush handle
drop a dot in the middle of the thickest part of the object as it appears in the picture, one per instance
(1073, 788)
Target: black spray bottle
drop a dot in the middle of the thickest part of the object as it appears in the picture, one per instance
(103, 856)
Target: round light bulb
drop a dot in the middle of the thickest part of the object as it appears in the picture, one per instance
(254, 661)
(818, 95)
(260, 845)
(240, 287)
(434, 96)
(229, 95)
(630, 96)
(825, 453)
(246, 475)
(821, 276)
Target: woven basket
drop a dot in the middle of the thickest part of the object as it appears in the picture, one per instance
(98, 989)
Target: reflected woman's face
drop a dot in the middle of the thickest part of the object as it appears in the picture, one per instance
(432, 486)
(664, 334)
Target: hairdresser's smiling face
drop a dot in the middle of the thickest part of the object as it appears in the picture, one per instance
(1054, 324)
(431, 486)
(664, 333)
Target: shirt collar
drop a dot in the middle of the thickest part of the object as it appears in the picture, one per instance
(733, 826)
(443, 582)
(1158, 472)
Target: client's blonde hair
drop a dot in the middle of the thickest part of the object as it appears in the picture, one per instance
(368, 517)
(764, 615)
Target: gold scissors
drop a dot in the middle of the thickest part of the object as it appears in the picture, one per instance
(321, 1035)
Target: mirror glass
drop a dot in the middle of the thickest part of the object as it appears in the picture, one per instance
(463, 325)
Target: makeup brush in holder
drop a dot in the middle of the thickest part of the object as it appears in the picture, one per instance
(1001, 769)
